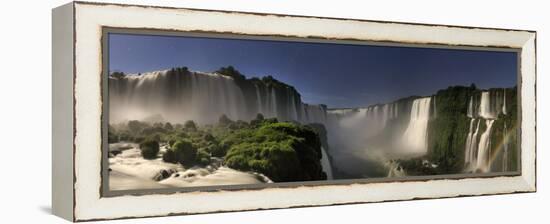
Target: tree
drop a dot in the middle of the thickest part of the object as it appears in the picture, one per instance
(258, 120)
(209, 137)
(118, 75)
(149, 149)
(224, 120)
(190, 125)
(184, 152)
(202, 157)
(259, 117)
(168, 126)
(232, 72)
(112, 136)
(169, 156)
(281, 151)
(135, 126)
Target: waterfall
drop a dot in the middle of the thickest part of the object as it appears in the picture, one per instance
(314, 113)
(492, 104)
(471, 145)
(293, 111)
(484, 148)
(485, 106)
(415, 136)
(385, 115)
(391, 113)
(274, 111)
(214, 95)
(467, 149)
(160, 94)
(325, 163)
(471, 107)
(177, 96)
(259, 99)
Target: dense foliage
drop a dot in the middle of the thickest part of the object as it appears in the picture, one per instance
(286, 151)
(118, 75)
(282, 151)
(449, 128)
(149, 149)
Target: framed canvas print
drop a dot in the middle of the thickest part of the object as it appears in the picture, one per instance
(165, 111)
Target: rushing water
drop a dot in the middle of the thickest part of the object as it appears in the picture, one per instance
(483, 148)
(416, 135)
(153, 94)
(358, 133)
(128, 171)
(471, 144)
(325, 163)
(478, 155)
(202, 97)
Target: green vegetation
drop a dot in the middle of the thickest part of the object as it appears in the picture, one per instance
(232, 72)
(282, 151)
(505, 131)
(286, 151)
(149, 149)
(118, 75)
(185, 153)
(448, 131)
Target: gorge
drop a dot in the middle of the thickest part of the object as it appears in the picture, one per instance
(461, 129)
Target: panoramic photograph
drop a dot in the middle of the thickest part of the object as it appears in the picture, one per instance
(186, 111)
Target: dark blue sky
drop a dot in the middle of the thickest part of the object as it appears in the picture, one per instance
(337, 75)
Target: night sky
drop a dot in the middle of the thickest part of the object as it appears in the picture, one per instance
(337, 75)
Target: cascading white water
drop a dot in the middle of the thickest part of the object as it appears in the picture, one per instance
(477, 155)
(470, 158)
(259, 99)
(204, 97)
(213, 95)
(138, 97)
(273, 99)
(492, 104)
(385, 115)
(471, 107)
(415, 136)
(467, 157)
(485, 106)
(484, 148)
(293, 110)
(325, 163)
(314, 113)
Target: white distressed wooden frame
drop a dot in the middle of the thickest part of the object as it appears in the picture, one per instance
(78, 107)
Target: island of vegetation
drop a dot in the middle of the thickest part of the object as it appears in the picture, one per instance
(282, 151)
